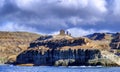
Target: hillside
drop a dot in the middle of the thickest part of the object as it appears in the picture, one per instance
(100, 36)
(112, 40)
(13, 43)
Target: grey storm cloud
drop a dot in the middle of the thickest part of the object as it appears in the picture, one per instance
(49, 16)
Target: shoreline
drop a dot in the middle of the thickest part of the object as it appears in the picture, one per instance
(31, 65)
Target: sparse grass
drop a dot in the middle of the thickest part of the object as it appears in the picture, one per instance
(118, 51)
(3, 60)
(13, 43)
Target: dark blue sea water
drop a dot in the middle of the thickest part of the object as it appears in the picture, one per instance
(5, 68)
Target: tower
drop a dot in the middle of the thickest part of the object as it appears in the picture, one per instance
(62, 32)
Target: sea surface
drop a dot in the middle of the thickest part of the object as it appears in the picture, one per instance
(10, 68)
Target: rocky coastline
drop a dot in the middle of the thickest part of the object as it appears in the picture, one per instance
(65, 50)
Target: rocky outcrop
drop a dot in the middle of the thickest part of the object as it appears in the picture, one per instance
(111, 57)
(115, 43)
(58, 57)
(100, 36)
(57, 43)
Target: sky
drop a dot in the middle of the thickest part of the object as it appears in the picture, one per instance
(79, 17)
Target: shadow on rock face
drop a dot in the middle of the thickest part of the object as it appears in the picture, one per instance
(57, 57)
(54, 43)
(115, 43)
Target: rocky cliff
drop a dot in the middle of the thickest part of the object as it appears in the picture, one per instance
(59, 50)
(58, 57)
(115, 43)
(64, 50)
(58, 42)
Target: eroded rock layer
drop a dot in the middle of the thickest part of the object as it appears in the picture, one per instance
(58, 57)
(115, 43)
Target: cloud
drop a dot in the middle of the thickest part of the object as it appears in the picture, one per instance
(9, 26)
(66, 8)
(76, 32)
(1, 3)
(116, 7)
(49, 16)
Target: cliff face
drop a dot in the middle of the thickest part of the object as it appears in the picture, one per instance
(13, 43)
(58, 57)
(63, 50)
(58, 50)
(115, 43)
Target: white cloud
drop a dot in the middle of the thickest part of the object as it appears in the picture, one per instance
(2, 3)
(76, 32)
(97, 5)
(27, 4)
(72, 11)
(73, 3)
(10, 26)
(116, 7)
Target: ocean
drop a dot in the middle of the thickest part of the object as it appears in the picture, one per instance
(10, 68)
